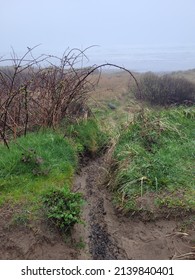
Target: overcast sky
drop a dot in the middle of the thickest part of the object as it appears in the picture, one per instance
(58, 24)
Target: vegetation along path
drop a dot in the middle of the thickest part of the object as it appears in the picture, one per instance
(105, 234)
(139, 198)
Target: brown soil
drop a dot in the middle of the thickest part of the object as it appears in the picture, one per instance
(105, 235)
(34, 241)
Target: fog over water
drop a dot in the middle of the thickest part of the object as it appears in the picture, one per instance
(142, 35)
(146, 58)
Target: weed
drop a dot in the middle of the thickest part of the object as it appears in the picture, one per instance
(21, 218)
(81, 244)
(188, 224)
(34, 162)
(63, 207)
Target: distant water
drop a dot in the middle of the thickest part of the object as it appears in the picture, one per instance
(146, 58)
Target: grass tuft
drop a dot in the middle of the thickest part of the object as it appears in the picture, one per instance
(155, 155)
(89, 138)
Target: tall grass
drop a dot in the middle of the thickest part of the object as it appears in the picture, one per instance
(155, 155)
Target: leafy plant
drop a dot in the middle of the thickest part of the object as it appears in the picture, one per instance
(63, 207)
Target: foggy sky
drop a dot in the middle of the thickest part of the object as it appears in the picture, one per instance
(58, 24)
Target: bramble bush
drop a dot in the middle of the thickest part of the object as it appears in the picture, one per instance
(165, 90)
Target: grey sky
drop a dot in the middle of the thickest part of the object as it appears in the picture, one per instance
(58, 24)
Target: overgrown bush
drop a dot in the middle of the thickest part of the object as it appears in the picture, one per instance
(41, 91)
(33, 95)
(165, 90)
(63, 207)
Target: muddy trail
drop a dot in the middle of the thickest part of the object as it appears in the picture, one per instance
(105, 234)
(100, 244)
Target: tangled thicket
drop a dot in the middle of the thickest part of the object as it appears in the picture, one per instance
(41, 91)
(165, 90)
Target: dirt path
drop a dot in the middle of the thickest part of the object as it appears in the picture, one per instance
(99, 242)
(105, 235)
(108, 235)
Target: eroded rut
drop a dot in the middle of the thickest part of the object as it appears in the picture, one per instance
(101, 245)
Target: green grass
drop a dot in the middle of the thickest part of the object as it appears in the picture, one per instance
(33, 164)
(155, 156)
(88, 137)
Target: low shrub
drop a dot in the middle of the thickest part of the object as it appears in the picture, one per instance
(165, 90)
(63, 207)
